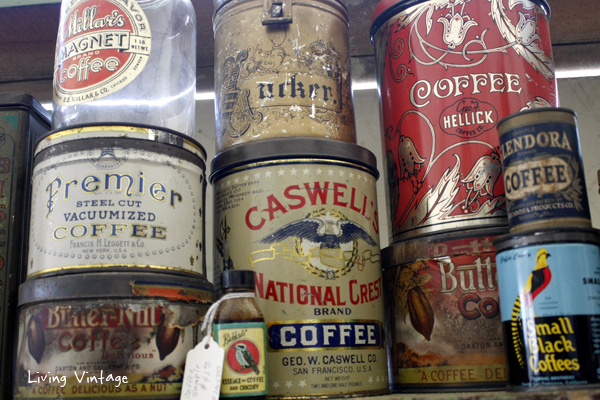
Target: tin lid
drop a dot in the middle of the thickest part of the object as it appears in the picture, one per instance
(547, 236)
(18, 99)
(220, 3)
(291, 148)
(448, 244)
(116, 285)
(108, 130)
(386, 9)
(545, 114)
(237, 279)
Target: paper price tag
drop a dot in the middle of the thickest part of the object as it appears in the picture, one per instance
(203, 371)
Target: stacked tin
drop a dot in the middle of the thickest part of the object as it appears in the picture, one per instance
(295, 197)
(447, 73)
(549, 265)
(115, 281)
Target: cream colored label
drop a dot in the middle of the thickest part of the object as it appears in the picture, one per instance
(309, 231)
(104, 349)
(114, 207)
(543, 176)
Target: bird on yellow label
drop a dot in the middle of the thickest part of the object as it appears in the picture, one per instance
(537, 281)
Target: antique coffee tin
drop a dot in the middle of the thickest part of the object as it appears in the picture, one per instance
(282, 68)
(117, 198)
(543, 171)
(107, 335)
(22, 121)
(302, 214)
(444, 326)
(549, 284)
(447, 73)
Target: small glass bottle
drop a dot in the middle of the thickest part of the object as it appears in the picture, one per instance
(239, 328)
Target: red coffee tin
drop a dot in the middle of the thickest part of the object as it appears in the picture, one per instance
(448, 71)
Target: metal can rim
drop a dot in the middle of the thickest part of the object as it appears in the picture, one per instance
(290, 149)
(547, 236)
(534, 111)
(219, 4)
(383, 12)
(184, 141)
(97, 285)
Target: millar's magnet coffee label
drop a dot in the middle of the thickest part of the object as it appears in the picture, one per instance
(550, 311)
(102, 46)
(309, 231)
(447, 73)
(122, 206)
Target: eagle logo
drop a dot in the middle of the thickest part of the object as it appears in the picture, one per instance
(326, 242)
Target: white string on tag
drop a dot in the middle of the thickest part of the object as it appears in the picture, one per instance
(206, 329)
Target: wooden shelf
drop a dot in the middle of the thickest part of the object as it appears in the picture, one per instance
(588, 394)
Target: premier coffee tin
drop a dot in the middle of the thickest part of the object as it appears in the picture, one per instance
(447, 73)
(543, 170)
(549, 285)
(444, 327)
(110, 335)
(302, 214)
(282, 69)
(117, 198)
(22, 121)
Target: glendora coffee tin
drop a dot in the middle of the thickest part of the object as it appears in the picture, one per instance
(550, 289)
(117, 198)
(543, 171)
(447, 73)
(107, 335)
(282, 69)
(444, 326)
(302, 214)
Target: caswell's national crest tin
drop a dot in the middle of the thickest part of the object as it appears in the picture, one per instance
(302, 214)
(550, 289)
(444, 326)
(448, 71)
(543, 171)
(117, 198)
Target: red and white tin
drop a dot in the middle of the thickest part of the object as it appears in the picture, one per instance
(448, 71)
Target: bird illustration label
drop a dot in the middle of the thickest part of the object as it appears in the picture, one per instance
(550, 313)
(245, 369)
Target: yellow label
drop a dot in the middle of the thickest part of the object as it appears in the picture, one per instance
(449, 375)
(245, 366)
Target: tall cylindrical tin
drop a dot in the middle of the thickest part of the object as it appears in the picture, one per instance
(302, 214)
(448, 72)
(550, 289)
(543, 171)
(117, 198)
(282, 69)
(107, 335)
(444, 326)
(22, 121)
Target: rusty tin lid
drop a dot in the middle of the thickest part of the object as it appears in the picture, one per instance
(386, 9)
(291, 148)
(116, 285)
(547, 236)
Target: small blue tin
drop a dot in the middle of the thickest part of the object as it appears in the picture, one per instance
(543, 170)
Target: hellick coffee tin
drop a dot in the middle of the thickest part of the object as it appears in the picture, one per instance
(117, 198)
(543, 171)
(448, 71)
(302, 214)
(444, 326)
(107, 335)
(282, 69)
(550, 289)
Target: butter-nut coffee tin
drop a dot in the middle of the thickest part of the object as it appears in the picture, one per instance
(448, 71)
(543, 170)
(107, 335)
(550, 290)
(282, 69)
(117, 198)
(22, 121)
(443, 322)
(302, 214)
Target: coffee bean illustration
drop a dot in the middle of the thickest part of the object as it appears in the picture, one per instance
(421, 313)
(36, 340)
(166, 339)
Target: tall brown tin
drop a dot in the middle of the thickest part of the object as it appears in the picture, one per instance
(282, 68)
(22, 121)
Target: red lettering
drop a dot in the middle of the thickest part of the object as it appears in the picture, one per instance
(321, 193)
(301, 201)
(271, 291)
(337, 194)
(61, 346)
(352, 300)
(250, 224)
(274, 205)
